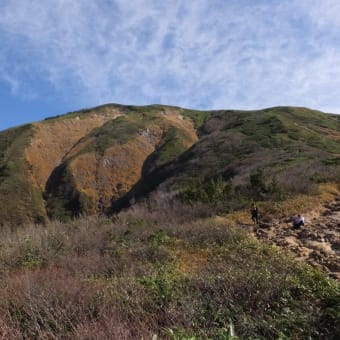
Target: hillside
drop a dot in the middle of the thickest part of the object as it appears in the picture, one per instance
(166, 273)
(168, 249)
(77, 163)
(290, 149)
(102, 159)
(317, 243)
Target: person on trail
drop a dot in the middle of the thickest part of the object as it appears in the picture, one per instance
(298, 222)
(255, 214)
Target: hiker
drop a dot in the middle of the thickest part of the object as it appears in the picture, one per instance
(298, 222)
(255, 214)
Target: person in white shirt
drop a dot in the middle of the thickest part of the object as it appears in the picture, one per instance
(298, 222)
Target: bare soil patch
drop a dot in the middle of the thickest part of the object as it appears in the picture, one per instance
(317, 242)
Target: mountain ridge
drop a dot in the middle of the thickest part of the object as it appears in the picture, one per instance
(98, 160)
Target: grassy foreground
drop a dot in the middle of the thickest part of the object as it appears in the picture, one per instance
(169, 273)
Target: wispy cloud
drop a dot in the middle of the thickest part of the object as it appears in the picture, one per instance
(203, 54)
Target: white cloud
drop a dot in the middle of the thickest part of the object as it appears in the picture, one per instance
(204, 54)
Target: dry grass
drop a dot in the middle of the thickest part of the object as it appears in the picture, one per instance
(308, 205)
(156, 271)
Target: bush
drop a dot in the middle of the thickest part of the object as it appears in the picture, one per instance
(212, 192)
(143, 274)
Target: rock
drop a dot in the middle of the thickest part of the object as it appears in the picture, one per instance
(320, 238)
(317, 243)
(335, 275)
(320, 246)
(336, 245)
(290, 241)
(333, 266)
(261, 234)
(265, 225)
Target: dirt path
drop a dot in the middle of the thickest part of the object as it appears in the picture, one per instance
(317, 243)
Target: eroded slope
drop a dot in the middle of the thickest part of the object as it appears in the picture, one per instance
(53, 139)
(110, 160)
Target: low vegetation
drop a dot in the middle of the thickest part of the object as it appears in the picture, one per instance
(81, 114)
(161, 269)
(175, 142)
(22, 201)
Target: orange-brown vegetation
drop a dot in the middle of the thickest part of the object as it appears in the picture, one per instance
(54, 139)
(99, 176)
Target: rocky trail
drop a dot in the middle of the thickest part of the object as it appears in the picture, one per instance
(317, 242)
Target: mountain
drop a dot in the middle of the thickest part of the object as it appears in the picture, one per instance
(102, 159)
(292, 149)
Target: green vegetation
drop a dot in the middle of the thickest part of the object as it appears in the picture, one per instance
(63, 201)
(146, 274)
(198, 117)
(83, 113)
(213, 192)
(262, 188)
(332, 161)
(293, 147)
(117, 131)
(174, 144)
(278, 126)
(222, 195)
(20, 200)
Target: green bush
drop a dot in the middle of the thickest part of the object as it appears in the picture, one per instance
(211, 192)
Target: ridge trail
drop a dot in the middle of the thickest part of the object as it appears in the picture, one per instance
(317, 242)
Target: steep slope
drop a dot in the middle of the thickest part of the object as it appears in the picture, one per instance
(95, 160)
(106, 163)
(317, 242)
(30, 153)
(54, 138)
(295, 148)
(77, 163)
(20, 199)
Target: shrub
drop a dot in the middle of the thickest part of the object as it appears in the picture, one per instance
(212, 192)
(143, 274)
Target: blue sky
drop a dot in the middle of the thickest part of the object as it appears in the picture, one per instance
(58, 56)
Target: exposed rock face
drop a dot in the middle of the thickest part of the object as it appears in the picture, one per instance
(318, 242)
